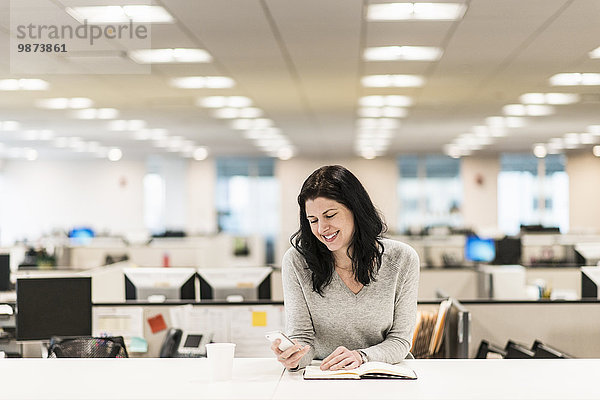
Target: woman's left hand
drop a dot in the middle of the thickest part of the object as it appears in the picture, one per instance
(341, 358)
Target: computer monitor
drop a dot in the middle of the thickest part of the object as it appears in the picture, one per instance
(508, 251)
(590, 281)
(479, 250)
(49, 307)
(239, 283)
(159, 284)
(5, 272)
(81, 235)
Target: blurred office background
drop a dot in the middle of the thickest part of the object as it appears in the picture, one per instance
(472, 124)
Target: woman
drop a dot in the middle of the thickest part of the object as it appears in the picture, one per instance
(350, 296)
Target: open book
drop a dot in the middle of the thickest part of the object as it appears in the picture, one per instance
(370, 370)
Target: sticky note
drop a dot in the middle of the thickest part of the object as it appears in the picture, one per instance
(259, 318)
(138, 345)
(157, 323)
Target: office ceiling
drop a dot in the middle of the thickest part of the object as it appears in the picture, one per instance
(301, 63)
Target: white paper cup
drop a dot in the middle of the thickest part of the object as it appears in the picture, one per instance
(220, 360)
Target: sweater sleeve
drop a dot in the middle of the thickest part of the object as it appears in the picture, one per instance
(398, 341)
(299, 324)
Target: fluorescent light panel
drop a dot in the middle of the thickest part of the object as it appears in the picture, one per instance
(392, 81)
(200, 82)
(61, 103)
(595, 53)
(402, 53)
(224, 101)
(23, 84)
(549, 98)
(162, 56)
(416, 11)
(575, 79)
(9, 126)
(96, 113)
(377, 112)
(230, 112)
(382, 101)
(120, 14)
(532, 110)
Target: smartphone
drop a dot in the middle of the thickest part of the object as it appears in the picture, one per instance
(286, 342)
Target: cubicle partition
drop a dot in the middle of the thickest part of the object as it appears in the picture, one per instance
(571, 326)
(220, 250)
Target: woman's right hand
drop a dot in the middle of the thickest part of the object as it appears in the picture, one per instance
(290, 357)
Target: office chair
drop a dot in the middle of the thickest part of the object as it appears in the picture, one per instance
(516, 350)
(542, 350)
(87, 347)
(485, 348)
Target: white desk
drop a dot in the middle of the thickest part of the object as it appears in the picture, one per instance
(263, 379)
(134, 378)
(462, 379)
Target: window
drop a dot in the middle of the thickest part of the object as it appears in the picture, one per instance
(430, 192)
(248, 198)
(532, 191)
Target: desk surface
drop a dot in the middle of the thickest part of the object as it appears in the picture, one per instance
(265, 379)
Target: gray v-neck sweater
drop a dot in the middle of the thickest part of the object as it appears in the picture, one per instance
(379, 320)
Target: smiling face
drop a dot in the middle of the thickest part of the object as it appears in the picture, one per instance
(332, 223)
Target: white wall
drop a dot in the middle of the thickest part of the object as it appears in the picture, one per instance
(378, 176)
(44, 195)
(584, 191)
(480, 190)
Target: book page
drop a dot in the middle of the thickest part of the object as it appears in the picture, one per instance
(314, 372)
(372, 367)
(375, 367)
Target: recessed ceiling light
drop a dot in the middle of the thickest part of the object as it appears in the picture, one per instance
(200, 153)
(532, 110)
(368, 153)
(595, 53)
(392, 81)
(160, 56)
(199, 82)
(539, 150)
(575, 79)
(23, 84)
(285, 153)
(402, 53)
(549, 98)
(452, 150)
(120, 14)
(423, 11)
(224, 101)
(61, 103)
(382, 101)
(115, 154)
(596, 151)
